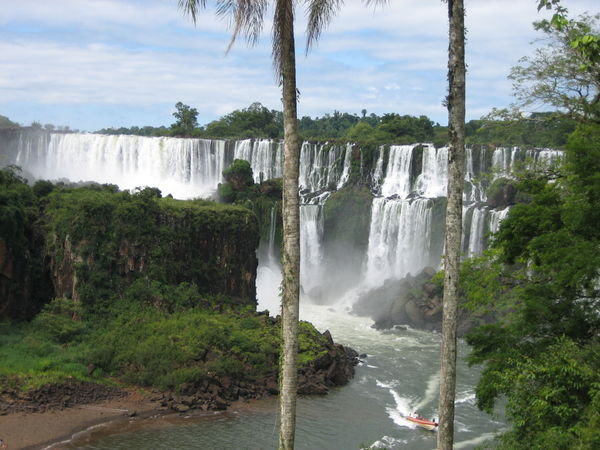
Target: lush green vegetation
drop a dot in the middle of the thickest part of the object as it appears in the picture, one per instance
(5, 122)
(500, 127)
(540, 278)
(263, 198)
(257, 121)
(21, 246)
(147, 310)
(118, 234)
(503, 128)
(168, 337)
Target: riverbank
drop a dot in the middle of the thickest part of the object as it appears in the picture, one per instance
(81, 424)
(37, 430)
(55, 412)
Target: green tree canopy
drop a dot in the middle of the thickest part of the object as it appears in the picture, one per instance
(255, 121)
(560, 74)
(187, 119)
(544, 354)
(5, 122)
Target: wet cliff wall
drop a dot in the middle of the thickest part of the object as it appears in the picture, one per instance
(99, 242)
(92, 244)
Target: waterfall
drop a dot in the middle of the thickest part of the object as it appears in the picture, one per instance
(476, 231)
(323, 167)
(502, 161)
(397, 178)
(272, 230)
(399, 239)
(433, 179)
(311, 231)
(408, 183)
(378, 172)
(506, 160)
(496, 217)
(264, 156)
(547, 157)
(473, 191)
(346, 168)
(268, 275)
(182, 167)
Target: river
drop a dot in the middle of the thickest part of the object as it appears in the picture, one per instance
(399, 376)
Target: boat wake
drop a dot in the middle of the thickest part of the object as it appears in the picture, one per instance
(405, 406)
(431, 393)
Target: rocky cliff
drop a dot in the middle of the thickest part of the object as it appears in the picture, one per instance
(100, 241)
(90, 244)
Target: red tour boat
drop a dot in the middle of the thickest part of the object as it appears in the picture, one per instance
(421, 422)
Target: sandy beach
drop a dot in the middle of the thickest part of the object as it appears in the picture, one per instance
(138, 410)
(41, 430)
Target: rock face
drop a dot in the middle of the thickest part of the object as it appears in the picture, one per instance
(95, 242)
(335, 367)
(502, 193)
(100, 242)
(54, 396)
(413, 301)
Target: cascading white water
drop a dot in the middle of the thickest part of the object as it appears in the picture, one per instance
(399, 240)
(503, 161)
(477, 231)
(378, 172)
(506, 160)
(400, 228)
(473, 192)
(401, 233)
(346, 168)
(268, 274)
(184, 168)
(397, 177)
(546, 157)
(322, 167)
(433, 180)
(264, 156)
(311, 231)
(496, 217)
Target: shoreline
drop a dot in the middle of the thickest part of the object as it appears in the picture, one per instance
(39, 430)
(59, 428)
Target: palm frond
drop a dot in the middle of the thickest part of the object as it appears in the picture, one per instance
(246, 18)
(320, 13)
(191, 7)
(376, 2)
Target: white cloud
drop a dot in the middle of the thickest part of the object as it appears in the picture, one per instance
(139, 56)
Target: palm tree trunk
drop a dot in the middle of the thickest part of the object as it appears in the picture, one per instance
(291, 228)
(456, 162)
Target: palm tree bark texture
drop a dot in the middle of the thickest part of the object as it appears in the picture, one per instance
(456, 157)
(288, 379)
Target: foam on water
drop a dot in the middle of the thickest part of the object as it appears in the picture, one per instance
(431, 393)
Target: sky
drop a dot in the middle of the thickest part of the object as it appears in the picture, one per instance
(92, 64)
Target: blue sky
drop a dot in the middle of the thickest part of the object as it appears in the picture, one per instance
(91, 64)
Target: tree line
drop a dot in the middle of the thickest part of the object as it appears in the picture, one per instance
(501, 127)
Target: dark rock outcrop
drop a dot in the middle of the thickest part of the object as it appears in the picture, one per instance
(55, 396)
(335, 367)
(413, 301)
